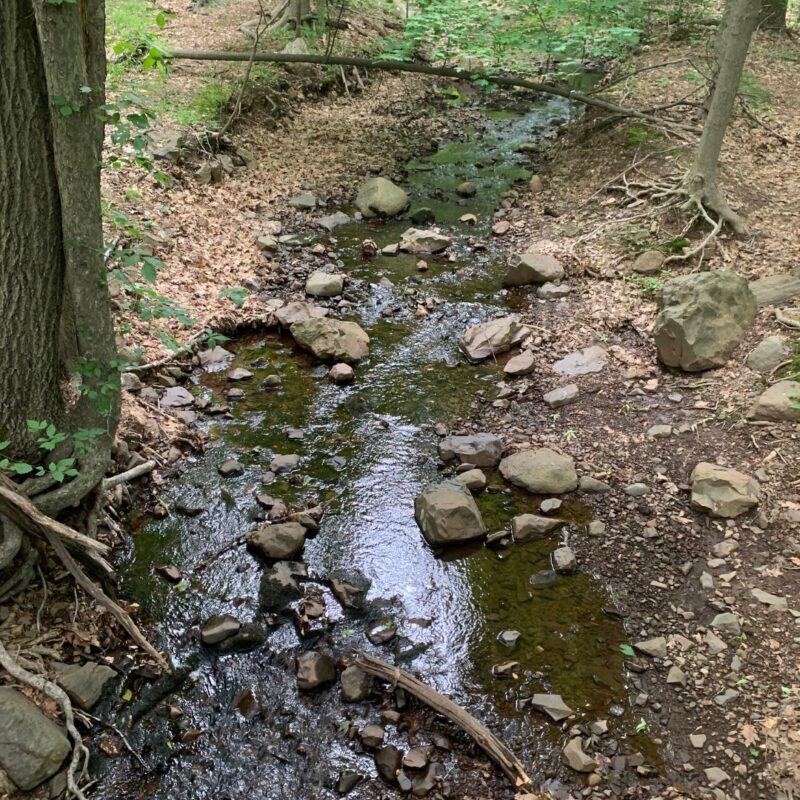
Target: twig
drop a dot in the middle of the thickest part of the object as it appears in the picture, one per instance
(80, 755)
(119, 733)
(44, 599)
(485, 739)
(625, 77)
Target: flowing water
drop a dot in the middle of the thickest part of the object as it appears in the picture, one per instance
(367, 450)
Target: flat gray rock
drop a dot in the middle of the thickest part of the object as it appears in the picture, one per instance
(656, 648)
(779, 403)
(722, 492)
(583, 362)
(562, 396)
(768, 354)
(541, 471)
(525, 527)
(552, 705)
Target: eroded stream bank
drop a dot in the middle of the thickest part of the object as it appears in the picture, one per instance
(239, 726)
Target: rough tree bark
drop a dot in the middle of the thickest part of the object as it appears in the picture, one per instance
(54, 304)
(55, 310)
(773, 15)
(741, 17)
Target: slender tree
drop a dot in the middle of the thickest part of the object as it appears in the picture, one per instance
(733, 42)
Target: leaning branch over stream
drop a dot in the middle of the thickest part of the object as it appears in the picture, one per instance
(488, 742)
(427, 69)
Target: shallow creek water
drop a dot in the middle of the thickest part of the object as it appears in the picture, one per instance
(367, 450)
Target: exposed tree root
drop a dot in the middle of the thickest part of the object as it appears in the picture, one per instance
(80, 755)
(26, 555)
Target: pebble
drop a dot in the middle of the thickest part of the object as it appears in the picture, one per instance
(550, 505)
(637, 490)
(697, 740)
(727, 622)
(230, 468)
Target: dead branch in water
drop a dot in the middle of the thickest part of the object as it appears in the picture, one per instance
(485, 739)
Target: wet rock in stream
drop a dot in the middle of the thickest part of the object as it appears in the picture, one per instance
(534, 267)
(478, 449)
(279, 585)
(332, 339)
(447, 513)
(493, 337)
(314, 670)
(277, 542)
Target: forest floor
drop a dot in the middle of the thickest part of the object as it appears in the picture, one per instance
(654, 548)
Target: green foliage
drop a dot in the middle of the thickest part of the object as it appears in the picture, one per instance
(638, 135)
(131, 28)
(206, 105)
(753, 92)
(507, 38)
(649, 285)
(236, 294)
(47, 439)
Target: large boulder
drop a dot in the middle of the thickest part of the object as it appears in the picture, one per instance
(420, 242)
(541, 471)
(495, 336)
(702, 317)
(480, 449)
(277, 542)
(332, 339)
(779, 403)
(723, 492)
(379, 197)
(533, 268)
(446, 513)
(32, 746)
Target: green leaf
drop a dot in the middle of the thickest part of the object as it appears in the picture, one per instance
(149, 273)
(3, 445)
(626, 650)
(22, 469)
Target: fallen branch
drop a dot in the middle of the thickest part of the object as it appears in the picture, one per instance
(486, 740)
(93, 590)
(129, 475)
(80, 755)
(426, 69)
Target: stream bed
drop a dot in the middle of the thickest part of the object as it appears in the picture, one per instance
(239, 726)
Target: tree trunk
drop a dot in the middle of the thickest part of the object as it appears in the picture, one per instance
(741, 17)
(773, 15)
(31, 251)
(55, 312)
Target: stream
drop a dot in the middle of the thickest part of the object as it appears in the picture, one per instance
(239, 726)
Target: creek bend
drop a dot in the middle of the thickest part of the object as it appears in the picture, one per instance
(366, 451)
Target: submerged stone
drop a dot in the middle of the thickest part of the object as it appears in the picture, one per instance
(478, 449)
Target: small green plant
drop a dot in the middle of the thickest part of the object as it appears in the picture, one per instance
(626, 650)
(648, 285)
(570, 435)
(639, 135)
(236, 294)
(48, 438)
(642, 726)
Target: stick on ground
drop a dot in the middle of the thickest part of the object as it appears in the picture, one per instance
(486, 740)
